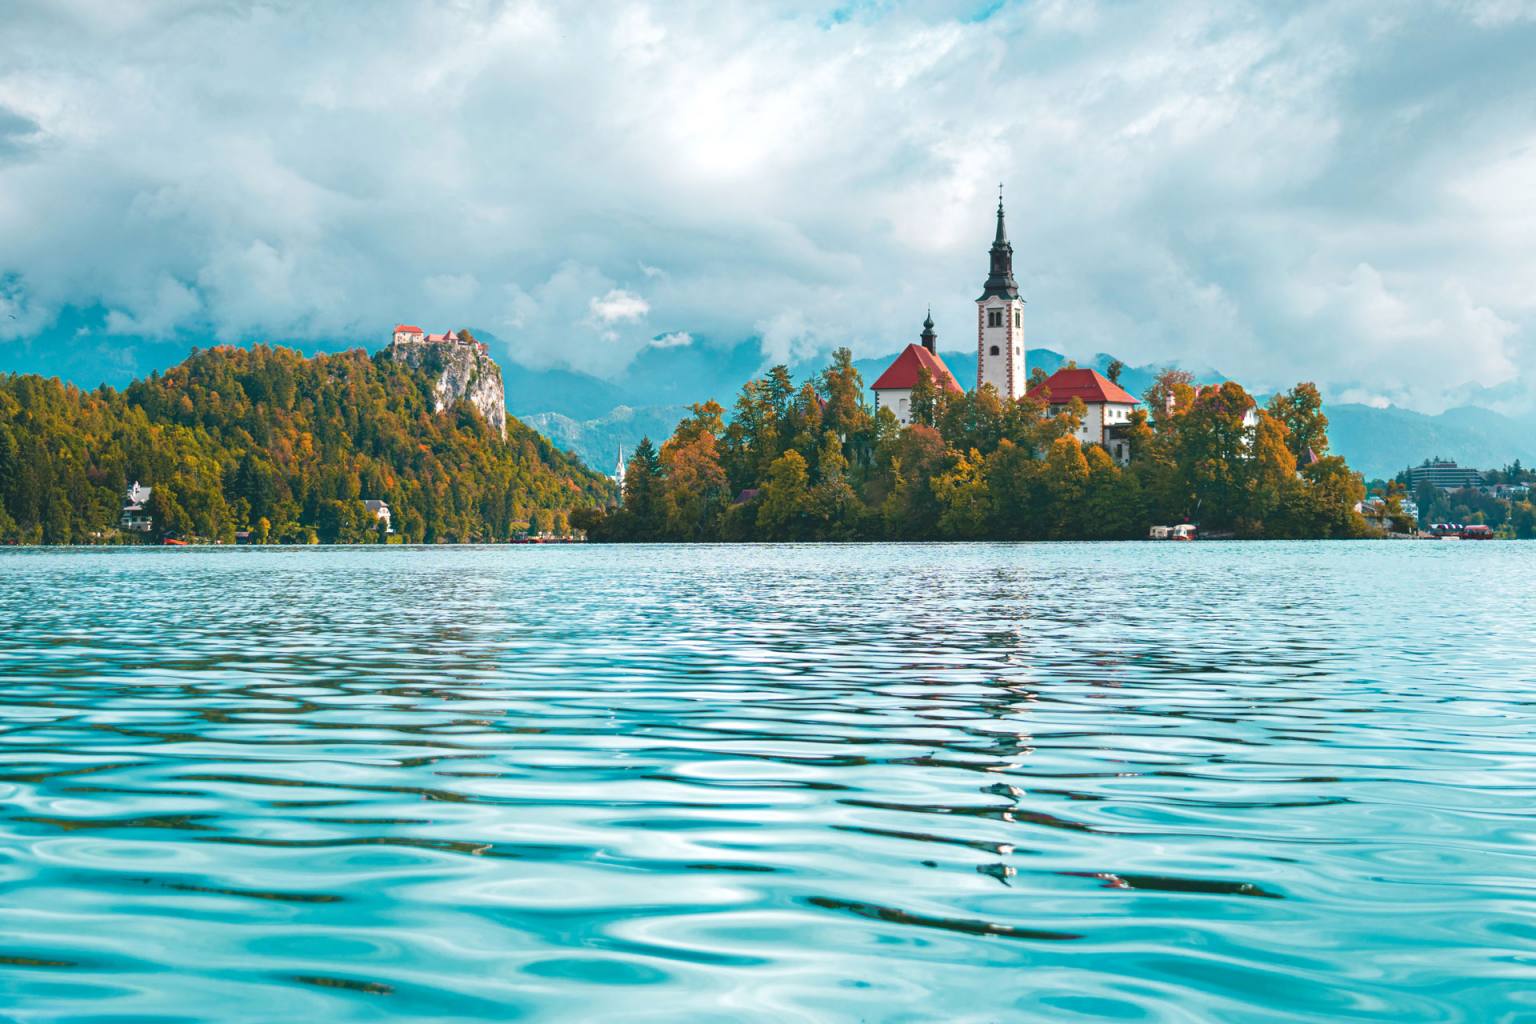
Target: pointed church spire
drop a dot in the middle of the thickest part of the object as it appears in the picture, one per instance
(1000, 282)
(930, 339)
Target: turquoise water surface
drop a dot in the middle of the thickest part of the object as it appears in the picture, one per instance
(1128, 782)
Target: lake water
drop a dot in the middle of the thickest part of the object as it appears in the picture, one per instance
(1139, 782)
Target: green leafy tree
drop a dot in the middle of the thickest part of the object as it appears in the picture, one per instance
(1171, 394)
(833, 506)
(693, 496)
(923, 409)
(784, 504)
(169, 518)
(1301, 410)
(1064, 478)
(965, 500)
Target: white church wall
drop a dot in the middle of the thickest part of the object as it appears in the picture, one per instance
(1008, 339)
(898, 400)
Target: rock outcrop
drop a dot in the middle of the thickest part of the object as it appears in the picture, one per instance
(463, 369)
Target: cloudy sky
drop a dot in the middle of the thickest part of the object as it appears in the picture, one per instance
(1342, 191)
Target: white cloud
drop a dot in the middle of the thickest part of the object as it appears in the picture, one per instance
(158, 314)
(619, 306)
(1495, 13)
(452, 289)
(677, 339)
(1282, 192)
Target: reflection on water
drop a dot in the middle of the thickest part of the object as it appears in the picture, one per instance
(970, 783)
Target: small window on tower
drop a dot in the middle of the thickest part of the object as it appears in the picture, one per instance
(994, 318)
(1018, 319)
(996, 350)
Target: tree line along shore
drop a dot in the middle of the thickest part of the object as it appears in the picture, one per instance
(815, 462)
(279, 448)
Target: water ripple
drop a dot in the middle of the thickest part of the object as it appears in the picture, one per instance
(1213, 782)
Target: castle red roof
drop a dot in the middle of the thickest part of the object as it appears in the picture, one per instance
(903, 372)
(1089, 385)
(407, 328)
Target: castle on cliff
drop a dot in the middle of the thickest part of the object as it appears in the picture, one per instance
(407, 334)
(464, 368)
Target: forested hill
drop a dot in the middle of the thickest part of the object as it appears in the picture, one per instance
(266, 440)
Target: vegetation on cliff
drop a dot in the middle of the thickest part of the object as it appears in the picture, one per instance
(285, 446)
(813, 462)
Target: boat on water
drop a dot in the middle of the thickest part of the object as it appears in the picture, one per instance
(1459, 531)
(172, 542)
(1183, 531)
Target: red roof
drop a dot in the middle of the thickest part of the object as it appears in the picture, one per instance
(407, 328)
(903, 372)
(1089, 385)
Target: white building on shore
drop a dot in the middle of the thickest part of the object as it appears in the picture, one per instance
(380, 513)
(1108, 407)
(135, 516)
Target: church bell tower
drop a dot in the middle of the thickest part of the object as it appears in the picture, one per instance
(1000, 320)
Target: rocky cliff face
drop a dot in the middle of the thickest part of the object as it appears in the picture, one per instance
(464, 371)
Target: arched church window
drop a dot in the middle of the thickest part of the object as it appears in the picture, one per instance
(994, 318)
(1018, 319)
(996, 350)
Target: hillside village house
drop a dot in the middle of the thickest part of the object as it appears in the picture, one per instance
(380, 513)
(1000, 362)
(135, 516)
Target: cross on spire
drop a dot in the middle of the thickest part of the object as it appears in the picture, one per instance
(1000, 280)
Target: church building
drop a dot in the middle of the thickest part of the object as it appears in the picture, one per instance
(1001, 358)
(893, 389)
(1000, 321)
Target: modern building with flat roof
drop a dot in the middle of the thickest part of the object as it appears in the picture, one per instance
(1445, 475)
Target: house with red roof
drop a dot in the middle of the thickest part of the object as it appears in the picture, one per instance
(893, 388)
(410, 334)
(1108, 407)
